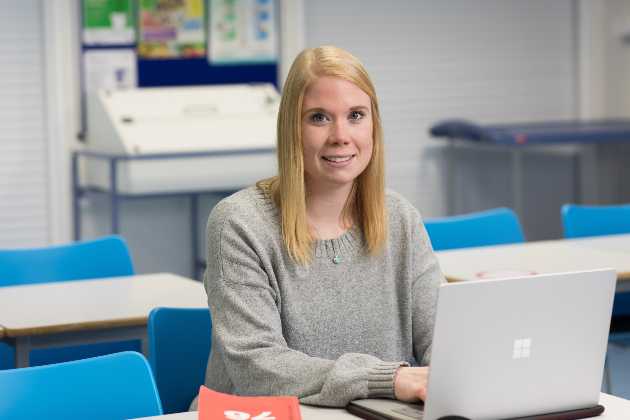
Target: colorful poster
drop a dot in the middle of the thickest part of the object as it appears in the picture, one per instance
(109, 69)
(242, 31)
(108, 22)
(172, 29)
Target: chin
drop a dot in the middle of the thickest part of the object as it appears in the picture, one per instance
(341, 182)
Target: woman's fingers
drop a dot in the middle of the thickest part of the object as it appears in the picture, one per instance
(410, 383)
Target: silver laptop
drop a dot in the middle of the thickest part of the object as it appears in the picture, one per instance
(516, 347)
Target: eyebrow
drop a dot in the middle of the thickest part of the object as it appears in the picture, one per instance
(352, 108)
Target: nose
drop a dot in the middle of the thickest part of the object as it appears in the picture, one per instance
(340, 133)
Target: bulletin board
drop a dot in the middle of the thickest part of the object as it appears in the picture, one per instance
(151, 43)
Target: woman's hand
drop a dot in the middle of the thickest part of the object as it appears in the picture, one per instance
(410, 384)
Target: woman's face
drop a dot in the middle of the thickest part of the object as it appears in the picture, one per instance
(336, 133)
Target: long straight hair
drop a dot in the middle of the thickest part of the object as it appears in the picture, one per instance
(366, 203)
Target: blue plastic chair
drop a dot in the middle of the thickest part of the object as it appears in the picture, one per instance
(104, 257)
(179, 346)
(581, 221)
(491, 227)
(116, 386)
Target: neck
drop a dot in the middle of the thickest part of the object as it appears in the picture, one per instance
(325, 210)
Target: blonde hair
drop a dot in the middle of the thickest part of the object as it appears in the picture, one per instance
(366, 204)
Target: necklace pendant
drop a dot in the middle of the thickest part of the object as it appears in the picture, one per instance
(336, 259)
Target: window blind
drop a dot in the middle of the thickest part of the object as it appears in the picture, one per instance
(23, 149)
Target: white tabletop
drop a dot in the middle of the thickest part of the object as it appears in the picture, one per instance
(85, 304)
(609, 243)
(538, 258)
(616, 409)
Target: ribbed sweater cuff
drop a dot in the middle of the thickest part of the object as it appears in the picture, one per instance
(381, 379)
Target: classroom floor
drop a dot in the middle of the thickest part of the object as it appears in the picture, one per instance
(619, 364)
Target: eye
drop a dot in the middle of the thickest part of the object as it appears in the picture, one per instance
(318, 118)
(356, 115)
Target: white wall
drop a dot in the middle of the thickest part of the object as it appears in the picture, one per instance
(60, 23)
(616, 177)
(488, 61)
(605, 93)
(617, 55)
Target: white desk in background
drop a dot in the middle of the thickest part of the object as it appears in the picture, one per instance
(87, 311)
(616, 409)
(561, 255)
(608, 243)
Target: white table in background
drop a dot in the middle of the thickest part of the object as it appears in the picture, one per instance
(608, 243)
(87, 311)
(616, 409)
(539, 257)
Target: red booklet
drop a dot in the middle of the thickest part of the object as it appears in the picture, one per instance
(217, 406)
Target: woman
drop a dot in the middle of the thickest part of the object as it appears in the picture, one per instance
(320, 284)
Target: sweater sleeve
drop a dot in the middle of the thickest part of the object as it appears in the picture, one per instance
(426, 284)
(249, 333)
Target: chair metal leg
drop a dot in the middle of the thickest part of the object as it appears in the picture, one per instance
(620, 341)
(607, 378)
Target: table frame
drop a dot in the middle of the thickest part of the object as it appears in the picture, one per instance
(23, 344)
(517, 152)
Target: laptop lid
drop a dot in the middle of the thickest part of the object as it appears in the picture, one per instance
(521, 346)
(515, 347)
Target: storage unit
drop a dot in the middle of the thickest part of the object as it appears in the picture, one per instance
(183, 120)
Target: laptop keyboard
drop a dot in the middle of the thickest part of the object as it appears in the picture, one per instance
(415, 413)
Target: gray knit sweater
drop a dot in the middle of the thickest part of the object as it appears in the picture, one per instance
(330, 332)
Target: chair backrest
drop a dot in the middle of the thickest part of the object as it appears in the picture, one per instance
(580, 221)
(179, 346)
(104, 257)
(116, 386)
(492, 227)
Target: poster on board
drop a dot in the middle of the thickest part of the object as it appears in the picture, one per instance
(171, 29)
(109, 69)
(108, 22)
(242, 31)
